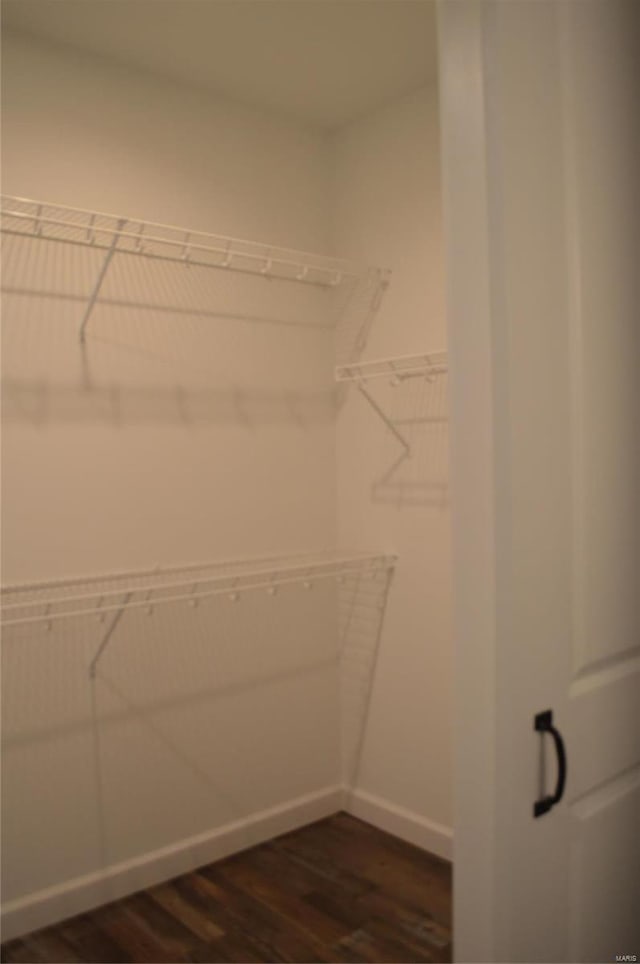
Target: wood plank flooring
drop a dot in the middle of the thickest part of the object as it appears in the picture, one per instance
(337, 890)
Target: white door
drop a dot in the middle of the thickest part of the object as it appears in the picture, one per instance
(541, 120)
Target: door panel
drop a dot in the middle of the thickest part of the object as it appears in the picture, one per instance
(604, 705)
(602, 118)
(605, 870)
(600, 60)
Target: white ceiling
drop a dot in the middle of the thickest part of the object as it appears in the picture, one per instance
(325, 62)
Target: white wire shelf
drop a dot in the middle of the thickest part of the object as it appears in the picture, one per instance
(115, 235)
(98, 596)
(397, 370)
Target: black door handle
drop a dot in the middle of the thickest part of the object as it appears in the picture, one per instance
(543, 723)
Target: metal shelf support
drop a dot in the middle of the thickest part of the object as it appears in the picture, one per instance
(385, 418)
(107, 636)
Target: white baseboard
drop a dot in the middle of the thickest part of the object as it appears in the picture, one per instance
(81, 894)
(84, 893)
(406, 824)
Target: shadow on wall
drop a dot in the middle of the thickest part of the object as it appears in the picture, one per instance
(176, 325)
(40, 402)
(195, 718)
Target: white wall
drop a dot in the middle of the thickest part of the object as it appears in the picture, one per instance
(93, 135)
(386, 185)
(90, 133)
(199, 436)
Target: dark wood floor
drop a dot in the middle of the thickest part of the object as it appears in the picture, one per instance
(337, 890)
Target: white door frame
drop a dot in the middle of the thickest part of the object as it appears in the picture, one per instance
(467, 232)
(506, 305)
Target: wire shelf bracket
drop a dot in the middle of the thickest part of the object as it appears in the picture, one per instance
(111, 250)
(107, 636)
(385, 418)
(397, 370)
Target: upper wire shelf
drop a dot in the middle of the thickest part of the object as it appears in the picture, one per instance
(397, 368)
(112, 235)
(55, 222)
(99, 596)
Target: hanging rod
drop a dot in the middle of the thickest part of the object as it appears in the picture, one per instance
(230, 581)
(54, 222)
(396, 368)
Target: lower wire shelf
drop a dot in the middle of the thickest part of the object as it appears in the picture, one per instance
(115, 592)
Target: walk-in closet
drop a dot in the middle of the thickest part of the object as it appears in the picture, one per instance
(226, 609)
(319, 406)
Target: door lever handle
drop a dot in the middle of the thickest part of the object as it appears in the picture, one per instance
(543, 723)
